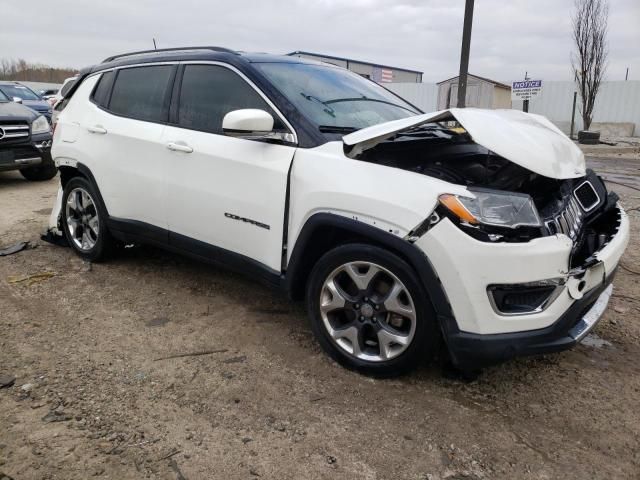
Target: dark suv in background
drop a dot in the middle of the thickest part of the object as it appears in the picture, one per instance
(22, 94)
(25, 141)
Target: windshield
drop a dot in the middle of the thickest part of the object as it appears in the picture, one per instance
(335, 99)
(19, 91)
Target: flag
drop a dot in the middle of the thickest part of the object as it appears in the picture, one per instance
(387, 75)
(382, 75)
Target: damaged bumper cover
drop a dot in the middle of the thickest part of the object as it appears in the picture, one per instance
(479, 333)
(469, 350)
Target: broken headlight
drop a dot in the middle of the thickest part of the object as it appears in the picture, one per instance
(493, 208)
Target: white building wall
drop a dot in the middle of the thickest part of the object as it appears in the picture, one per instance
(617, 102)
(364, 68)
(422, 95)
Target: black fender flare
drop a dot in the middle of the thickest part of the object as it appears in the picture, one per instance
(85, 172)
(412, 254)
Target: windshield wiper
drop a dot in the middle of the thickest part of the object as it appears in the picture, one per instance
(328, 110)
(365, 99)
(336, 129)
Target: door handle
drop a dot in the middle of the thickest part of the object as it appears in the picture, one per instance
(97, 129)
(179, 147)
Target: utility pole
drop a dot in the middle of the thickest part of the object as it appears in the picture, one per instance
(154, 44)
(464, 54)
(573, 114)
(525, 103)
(626, 77)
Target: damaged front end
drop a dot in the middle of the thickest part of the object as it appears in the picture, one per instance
(541, 189)
(527, 250)
(531, 242)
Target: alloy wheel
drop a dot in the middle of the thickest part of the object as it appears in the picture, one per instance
(82, 219)
(367, 311)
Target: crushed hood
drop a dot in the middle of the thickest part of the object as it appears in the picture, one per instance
(526, 139)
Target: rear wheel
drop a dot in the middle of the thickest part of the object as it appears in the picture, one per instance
(369, 311)
(39, 173)
(84, 220)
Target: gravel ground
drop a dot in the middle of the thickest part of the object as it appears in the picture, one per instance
(96, 396)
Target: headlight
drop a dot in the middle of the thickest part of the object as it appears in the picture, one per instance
(40, 125)
(495, 208)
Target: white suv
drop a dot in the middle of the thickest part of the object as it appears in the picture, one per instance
(402, 230)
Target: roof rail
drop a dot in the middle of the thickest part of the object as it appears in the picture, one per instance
(175, 49)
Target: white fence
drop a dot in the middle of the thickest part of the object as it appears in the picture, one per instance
(422, 95)
(617, 102)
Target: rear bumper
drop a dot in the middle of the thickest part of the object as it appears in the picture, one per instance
(470, 351)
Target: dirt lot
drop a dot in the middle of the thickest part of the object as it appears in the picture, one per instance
(94, 397)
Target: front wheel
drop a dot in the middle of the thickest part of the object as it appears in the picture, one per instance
(39, 173)
(369, 311)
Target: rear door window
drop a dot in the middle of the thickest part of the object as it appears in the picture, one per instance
(209, 92)
(143, 93)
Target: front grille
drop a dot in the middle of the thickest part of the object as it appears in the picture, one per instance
(569, 221)
(13, 131)
(587, 196)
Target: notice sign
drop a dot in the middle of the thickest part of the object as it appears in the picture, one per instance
(526, 89)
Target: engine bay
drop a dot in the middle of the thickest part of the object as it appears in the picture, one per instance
(454, 157)
(580, 208)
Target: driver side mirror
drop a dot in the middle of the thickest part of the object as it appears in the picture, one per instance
(252, 124)
(17, 99)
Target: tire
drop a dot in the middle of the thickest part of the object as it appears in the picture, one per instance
(39, 173)
(385, 311)
(84, 221)
(587, 137)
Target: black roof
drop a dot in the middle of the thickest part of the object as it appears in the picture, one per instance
(192, 53)
(217, 53)
(159, 51)
(322, 55)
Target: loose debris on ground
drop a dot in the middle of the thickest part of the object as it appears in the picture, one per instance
(15, 248)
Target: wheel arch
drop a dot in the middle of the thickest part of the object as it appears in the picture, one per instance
(324, 231)
(77, 169)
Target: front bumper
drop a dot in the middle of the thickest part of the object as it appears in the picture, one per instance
(477, 334)
(471, 351)
(37, 151)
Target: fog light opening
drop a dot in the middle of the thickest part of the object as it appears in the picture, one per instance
(524, 298)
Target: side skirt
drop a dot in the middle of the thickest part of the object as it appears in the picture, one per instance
(133, 231)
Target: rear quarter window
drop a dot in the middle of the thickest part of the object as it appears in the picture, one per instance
(66, 87)
(102, 90)
(143, 93)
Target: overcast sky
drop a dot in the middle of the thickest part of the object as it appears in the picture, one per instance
(509, 37)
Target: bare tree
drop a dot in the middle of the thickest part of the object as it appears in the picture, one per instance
(11, 69)
(589, 62)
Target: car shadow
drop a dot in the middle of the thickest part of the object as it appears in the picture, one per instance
(13, 178)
